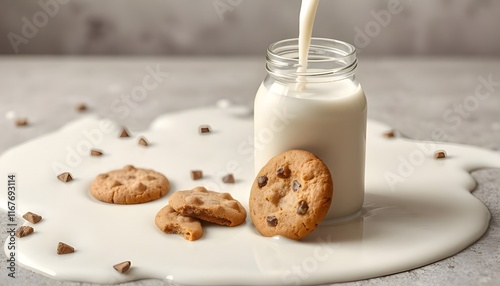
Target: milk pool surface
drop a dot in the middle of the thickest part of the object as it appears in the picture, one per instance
(409, 219)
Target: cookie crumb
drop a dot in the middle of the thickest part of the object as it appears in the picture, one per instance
(21, 122)
(63, 248)
(143, 142)
(204, 129)
(122, 267)
(390, 134)
(95, 152)
(65, 177)
(32, 217)
(196, 174)
(439, 154)
(124, 133)
(228, 179)
(81, 107)
(24, 231)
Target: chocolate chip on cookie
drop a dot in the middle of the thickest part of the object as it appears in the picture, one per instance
(170, 221)
(129, 185)
(219, 208)
(291, 195)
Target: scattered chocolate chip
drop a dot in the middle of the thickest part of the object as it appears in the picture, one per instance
(196, 174)
(63, 248)
(272, 221)
(204, 129)
(22, 122)
(24, 231)
(81, 107)
(439, 154)
(95, 152)
(262, 181)
(122, 267)
(390, 134)
(124, 133)
(296, 185)
(302, 208)
(283, 172)
(32, 217)
(228, 179)
(143, 142)
(65, 177)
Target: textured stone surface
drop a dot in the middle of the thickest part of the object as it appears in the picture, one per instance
(412, 95)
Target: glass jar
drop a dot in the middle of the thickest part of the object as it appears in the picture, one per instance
(322, 110)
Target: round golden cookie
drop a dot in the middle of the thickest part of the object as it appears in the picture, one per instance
(129, 185)
(219, 208)
(291, 195)
(170, 221)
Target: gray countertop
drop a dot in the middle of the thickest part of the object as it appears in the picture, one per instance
(423, 98)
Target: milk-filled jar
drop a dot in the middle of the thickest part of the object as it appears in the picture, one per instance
(321, 110)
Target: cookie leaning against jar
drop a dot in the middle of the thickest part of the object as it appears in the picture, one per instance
(291, 195)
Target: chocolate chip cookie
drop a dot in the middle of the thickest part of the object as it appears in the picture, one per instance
(291, 195)
(170, 221)
(219, 208)
(129, 185)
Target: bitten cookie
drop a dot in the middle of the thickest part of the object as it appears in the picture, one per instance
(219, 208)
(129, 185)
(170, 221)
(291, 195)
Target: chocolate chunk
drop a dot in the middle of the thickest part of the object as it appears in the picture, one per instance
(228, 179)
(204, 129)
(65, 177)
(81, 107)
(122, 267)
(22, 122)
(262, 181)
(95, 152)
(283, 172)
(32, 217)
(63, 248)
(272, 221)
(296, 185)
(143, 142)
(439, 154)
(390, 134)
(124, 133)
(24, 231)
(116, 184)
(196, 174)
(302, 208)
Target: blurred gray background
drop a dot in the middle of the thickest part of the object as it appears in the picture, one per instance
(234, 27)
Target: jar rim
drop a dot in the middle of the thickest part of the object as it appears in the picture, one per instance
(328, 59)
(349, 50)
